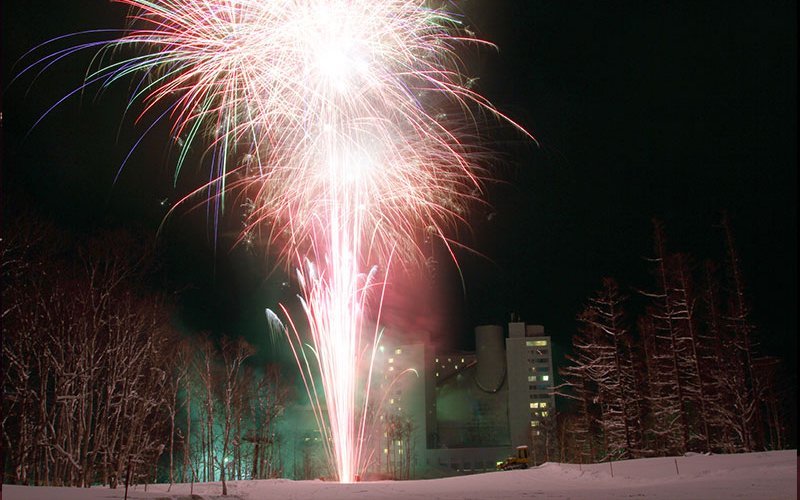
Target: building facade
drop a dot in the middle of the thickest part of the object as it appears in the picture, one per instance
(443, 414)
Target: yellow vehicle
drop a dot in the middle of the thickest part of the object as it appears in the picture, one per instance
(521, 461)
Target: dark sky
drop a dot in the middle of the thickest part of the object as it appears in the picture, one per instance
(642, 109)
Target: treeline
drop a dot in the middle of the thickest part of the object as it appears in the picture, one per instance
(682, 374)
(99, 388)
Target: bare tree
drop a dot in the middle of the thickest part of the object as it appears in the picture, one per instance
(84, 387)
(234, 353)
(737, 318)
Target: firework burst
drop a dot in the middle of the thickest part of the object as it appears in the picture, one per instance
(348, 123)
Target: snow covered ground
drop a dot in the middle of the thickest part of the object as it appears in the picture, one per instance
(768, 475)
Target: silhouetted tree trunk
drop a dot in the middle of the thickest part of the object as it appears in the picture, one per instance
(738, 319)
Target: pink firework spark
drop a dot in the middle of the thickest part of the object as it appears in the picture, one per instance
(347, 121)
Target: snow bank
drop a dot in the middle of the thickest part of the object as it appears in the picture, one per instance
(768, 475)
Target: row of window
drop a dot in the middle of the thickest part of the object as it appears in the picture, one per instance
(449, 360)
(396, 351)
(536, 343)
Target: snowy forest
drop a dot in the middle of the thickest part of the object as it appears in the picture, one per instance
(673, 367)
(99, 387)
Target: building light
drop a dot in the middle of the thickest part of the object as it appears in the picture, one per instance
(437, 374)
(535, 404)
(534, 423)
(535, 343)
(531, 378)
(545, 378)
(543, 404)
(380, 348)
(545, 414)
(462, 360)
(386, 451)
(391, 368)
(436, 360)
(398, 351)
(456, 367)
(391, 360)
(391, 401)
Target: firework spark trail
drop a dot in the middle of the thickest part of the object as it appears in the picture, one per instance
(332, 116)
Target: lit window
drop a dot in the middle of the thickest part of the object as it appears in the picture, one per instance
(545, 414)
(535, 404)
(400, 451)
(391, 368)
(543, 404)
(449, 360)
(462, 360)
(436, 360)
(437, 374)
(380, 348)
(456, 367)
(545, 378)
(534, 423)
(535, 343)
(386, 451)
(398, 351)
(391, 401)
(391, 360)
(531, 378)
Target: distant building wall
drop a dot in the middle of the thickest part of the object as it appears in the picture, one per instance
(468, 410)
(530, 381)
(400, 396)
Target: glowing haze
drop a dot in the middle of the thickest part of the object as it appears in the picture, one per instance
(348, 124)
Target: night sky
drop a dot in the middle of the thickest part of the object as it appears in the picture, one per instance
(642, 109)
